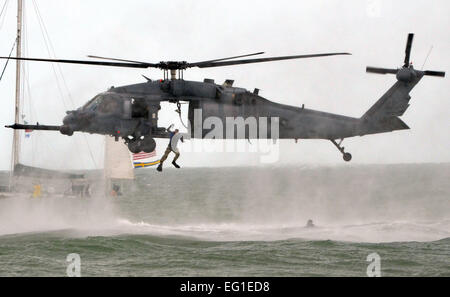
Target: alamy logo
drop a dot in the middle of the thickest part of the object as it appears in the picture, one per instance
(74, 267)
(233, 134)
(374, 268)
(373, 8)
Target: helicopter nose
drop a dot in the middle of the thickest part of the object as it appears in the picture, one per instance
(77, 119)
(69, 119)
(69, 124)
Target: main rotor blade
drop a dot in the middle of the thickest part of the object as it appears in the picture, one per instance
(122, 60)
(381, 70)
(249, 61)
(186, 65)
(434, 73)
(222, 59)
(408, 49)
(99, 63)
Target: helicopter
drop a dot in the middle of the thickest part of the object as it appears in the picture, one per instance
(130, 112)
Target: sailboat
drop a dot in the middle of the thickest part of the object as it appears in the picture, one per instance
(25, 179)
(118, 172)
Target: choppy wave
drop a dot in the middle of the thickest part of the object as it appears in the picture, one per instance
(359, 204)
(99, 218)
(373, 232)
(240, 222)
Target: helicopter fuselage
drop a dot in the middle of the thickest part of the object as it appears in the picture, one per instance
(132, 111)
(226, 112)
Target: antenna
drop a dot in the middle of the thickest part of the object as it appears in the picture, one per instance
(426, 59)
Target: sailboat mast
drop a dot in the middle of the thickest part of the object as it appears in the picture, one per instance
(16, 139)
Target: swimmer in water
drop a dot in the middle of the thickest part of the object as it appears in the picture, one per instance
(310, 224)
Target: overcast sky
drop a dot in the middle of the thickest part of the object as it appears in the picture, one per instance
(373, 31)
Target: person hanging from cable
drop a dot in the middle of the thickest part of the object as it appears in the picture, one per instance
(171, 147)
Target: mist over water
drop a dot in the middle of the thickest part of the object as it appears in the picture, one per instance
(25, 214)
(363, 203)
(239, 221)
(357, 203)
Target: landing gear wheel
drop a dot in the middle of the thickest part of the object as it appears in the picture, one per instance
(347, 157)
(149, 145)
(134, 146)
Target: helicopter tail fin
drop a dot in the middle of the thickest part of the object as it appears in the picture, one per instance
(393, 103)
(383, 115)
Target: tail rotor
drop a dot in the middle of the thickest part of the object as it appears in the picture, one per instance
(407, 72)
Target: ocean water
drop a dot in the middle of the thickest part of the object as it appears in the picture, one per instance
(240, 222)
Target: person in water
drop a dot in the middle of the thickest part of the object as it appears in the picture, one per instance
(171, 147)
(310, 224)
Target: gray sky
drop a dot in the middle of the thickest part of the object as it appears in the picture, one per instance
(373, 31)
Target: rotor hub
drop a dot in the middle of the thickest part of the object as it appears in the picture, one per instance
(173, 65)
(406, 74)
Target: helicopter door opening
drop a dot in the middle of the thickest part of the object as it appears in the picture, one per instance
(139, 108)
(169, 115)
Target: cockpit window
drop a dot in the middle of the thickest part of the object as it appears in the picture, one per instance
(109, 105)
(93, 103)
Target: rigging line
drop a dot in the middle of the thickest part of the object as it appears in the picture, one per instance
(36, 147)
(3, 7)
(3, 13)
(7, 60)
(63, 78)
(49, 45)
(50, 55)
(37, 134)
(26, 76)
(27, 95)
(38, 13)
(33, 116)
(32, 109)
